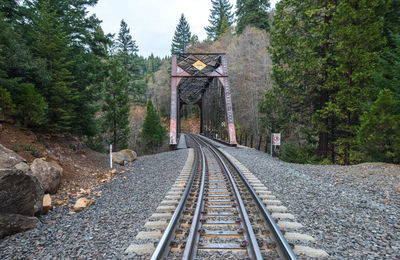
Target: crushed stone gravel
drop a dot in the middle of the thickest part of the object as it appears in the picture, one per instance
(352, 211)
(105, 229)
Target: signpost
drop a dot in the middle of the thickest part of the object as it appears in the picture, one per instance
(111, 156)
(275, 140)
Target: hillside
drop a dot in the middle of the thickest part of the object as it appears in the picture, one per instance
(83, 169)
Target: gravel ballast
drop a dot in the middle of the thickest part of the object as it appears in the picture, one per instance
(352, 211)
(105, 229)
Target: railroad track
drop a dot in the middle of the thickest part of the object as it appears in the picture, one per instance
(219, 215)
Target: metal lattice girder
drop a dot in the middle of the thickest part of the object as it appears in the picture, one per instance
(192, 74)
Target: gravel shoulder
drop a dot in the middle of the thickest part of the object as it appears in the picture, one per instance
(352, 211)
(105, 229)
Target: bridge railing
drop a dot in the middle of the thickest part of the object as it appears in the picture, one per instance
(259, 142)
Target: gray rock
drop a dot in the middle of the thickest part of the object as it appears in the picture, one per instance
(20, 193)
(107, 228)
(124, 156)
(132, 154)
(15, 223)
(48, 174)
(9, 158)
(22, 167)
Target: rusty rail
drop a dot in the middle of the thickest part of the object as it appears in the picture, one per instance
(284, 248)
(250, 241)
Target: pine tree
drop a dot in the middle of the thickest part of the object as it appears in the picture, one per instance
(220, 8)
(323, 52)
(252, 12)
(225, 27)
(126, 46)
(301, 53)
(194, 39)
(357, 30)
(387, 74)
(31, 107)
(127, 49)
(116, 105)
(182, 36)
(6, 104)
(379, 133)
(153, 134)
(51, 44)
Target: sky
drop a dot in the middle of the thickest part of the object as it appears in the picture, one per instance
(152, 23)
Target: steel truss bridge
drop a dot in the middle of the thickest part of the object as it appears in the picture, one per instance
(202, 79)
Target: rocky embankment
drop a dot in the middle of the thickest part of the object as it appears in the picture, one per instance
(352, 211)
(105, 229)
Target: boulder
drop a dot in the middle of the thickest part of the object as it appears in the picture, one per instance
(9, 158)
(47, 206)
(48, 174)
(15, 223)
(124, 156)
(20, 193)
(132, 154)
(82, 203)
(22, 167)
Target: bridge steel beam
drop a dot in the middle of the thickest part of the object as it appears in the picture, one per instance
(228, 102)
(215, 66)
(173, 127)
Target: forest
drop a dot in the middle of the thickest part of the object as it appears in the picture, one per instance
(325, 74)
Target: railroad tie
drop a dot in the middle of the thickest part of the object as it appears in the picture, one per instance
(145, 241)
(285, 220)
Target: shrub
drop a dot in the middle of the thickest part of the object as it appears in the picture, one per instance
(31, 149)
(31, 107)
(294, 154)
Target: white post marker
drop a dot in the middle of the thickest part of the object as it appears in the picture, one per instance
(111, 156)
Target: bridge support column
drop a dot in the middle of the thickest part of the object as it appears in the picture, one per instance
(228, 102)
(173, 127)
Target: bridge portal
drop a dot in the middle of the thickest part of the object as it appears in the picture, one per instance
(202, 79)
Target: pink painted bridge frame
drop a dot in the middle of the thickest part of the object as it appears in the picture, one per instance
(221, 73)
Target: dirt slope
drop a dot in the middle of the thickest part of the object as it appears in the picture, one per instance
(83, 169)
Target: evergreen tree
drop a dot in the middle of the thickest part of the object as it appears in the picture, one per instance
(116, 105)
(323, 52)
(127, 51)
(31, 107)
(220, 8)
(301, 53)
(126, 46)
(379, 133)
(182, 36)
(225, 27)
(194, 39)
(9, 8)
(6, 104)
(252, 12)
(153, 134)
(52, 45)
(387, 74)
(357, 29)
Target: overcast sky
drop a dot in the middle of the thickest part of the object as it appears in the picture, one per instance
(153, 22)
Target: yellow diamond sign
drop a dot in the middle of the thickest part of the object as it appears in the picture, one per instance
(199, 65)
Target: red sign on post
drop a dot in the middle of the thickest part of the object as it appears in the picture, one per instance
(276, 139)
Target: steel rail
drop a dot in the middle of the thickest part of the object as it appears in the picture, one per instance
(191, 248)
(164, 243)
(286, 250)
(253, 248)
